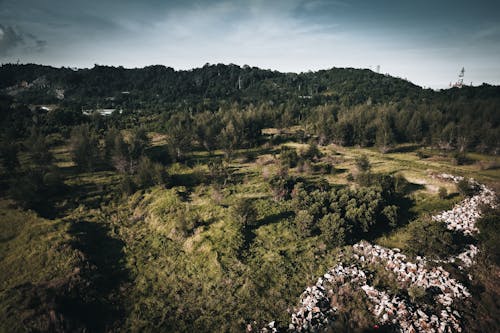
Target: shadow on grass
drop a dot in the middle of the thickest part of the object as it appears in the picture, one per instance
(405, 216)
(413, 187)
(96, 303)
(405, 149)
(249, 232)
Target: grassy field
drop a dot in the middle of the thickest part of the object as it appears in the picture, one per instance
(178, 260)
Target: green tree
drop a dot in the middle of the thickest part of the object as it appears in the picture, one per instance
(304, 223)
(244, 212)
(385, 136)
(334, 229)
(149, 173)
(138, 143)
(84, 144)
(363, 163)
(391, 213)
(8, 154)
(180, 135)
(38, 149)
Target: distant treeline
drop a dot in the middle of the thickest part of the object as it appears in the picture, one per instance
(205, 105)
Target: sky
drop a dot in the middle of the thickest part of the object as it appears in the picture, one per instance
(426, 42)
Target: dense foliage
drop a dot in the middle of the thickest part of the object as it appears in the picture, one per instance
(345, 106)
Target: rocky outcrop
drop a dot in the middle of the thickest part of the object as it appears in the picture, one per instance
(315, 311)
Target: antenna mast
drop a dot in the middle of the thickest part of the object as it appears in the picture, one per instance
(460, 81)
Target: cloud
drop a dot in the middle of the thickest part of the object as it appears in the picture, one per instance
(12, 39)
(9, 39)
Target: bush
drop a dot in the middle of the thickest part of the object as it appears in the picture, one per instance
(304, 223)
(459, 159)
(289, 157)
(421, 154)
(489, 236)
(244, 212)
(334, 229)
(84, 147)
(127, 185)
(363, 163)
(401, 185)
(442, 193)
(466, 188)
(323, 168)
(282, 186)
(312, 153)
(149, 173)
(431, 239)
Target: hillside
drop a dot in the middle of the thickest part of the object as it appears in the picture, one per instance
(197, 206)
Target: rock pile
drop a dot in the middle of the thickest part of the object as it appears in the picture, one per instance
(468, 255)
(315, 311)
(464, 215)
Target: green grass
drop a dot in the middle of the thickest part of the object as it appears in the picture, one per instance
(189, 266)
(33, 252)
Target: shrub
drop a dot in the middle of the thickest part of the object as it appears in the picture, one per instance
(289, 157)
(363, 163)
(466, 188)
(304, 223)
(421, 154)
(334, 229)
(281, 186)
(149, 173)
(244, 212)
(312, 152)
(489, 236)
(431, 239)
(442, 193)
(84, 147)
(323, 168)
(127, 185)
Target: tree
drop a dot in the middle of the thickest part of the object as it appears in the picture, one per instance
(149, 173)
(304, 222)
(391, 213)
(244, 212)
(120, 158)
(334, 229)
(180, 135)
(8, 153)
(385, 136)
(207, 127)
(84, 145)
(289, 157)
(312, 152)
(38, 150)
(229, 139)
(430, 238)
(363, 163)
(138, 143)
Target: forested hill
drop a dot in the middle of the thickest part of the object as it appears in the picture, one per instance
(342, 105)
(231, 82)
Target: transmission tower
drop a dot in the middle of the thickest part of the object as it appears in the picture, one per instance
(460, 81)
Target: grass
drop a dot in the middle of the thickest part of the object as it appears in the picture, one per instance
(35, 256)
(33, 249)
(179, 261)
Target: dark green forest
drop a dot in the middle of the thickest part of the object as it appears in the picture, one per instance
(344, 106)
